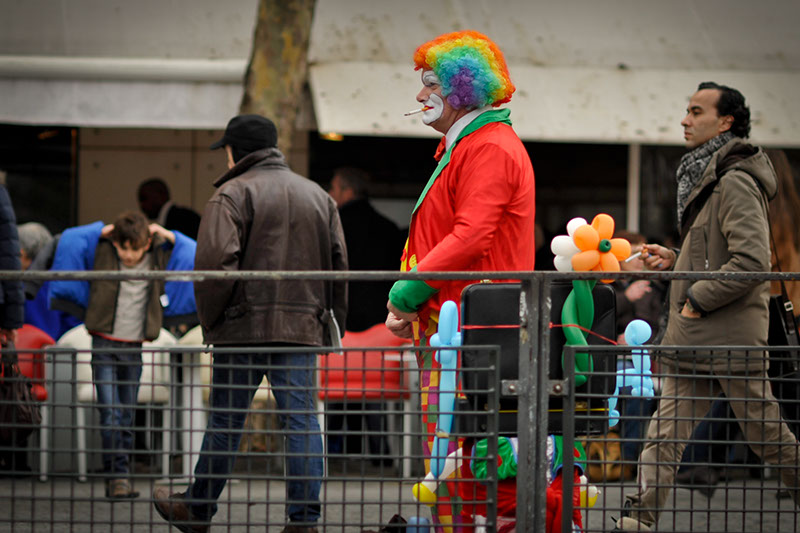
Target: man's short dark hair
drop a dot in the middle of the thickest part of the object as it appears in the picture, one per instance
(155, 185)
(354, 178)
(131, 226)
(731, 102)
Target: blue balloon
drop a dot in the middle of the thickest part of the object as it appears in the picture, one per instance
(418, 524)
(637, 332)
(445, 339)
(640, 377)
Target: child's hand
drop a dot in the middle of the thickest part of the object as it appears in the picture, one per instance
(106, 231)
(156, 229)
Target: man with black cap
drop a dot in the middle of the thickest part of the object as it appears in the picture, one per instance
(265, 217)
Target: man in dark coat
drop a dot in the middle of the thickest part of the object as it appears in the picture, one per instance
(154, 201)
(373, 243)
(262, 217)
(12, 312)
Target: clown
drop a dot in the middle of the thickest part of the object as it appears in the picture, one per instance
(476, 212)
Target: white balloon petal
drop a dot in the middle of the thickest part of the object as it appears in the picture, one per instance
(564, 245)
(574, 224)
(563, 263)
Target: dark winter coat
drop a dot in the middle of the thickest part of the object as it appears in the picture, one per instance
(264, 217)
(12, 298)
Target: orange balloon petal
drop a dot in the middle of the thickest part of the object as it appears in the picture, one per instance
(608, 263)
(604, 225)
(621, 249)
(585, 261)
(586, 238)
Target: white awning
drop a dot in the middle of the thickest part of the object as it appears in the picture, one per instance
(585, 71)
(558, 104)
(118, 92)
(115, 63)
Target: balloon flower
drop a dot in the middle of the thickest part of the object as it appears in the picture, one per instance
(587, 247)
(640, 377)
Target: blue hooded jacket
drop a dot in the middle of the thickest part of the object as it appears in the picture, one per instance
(76, 250)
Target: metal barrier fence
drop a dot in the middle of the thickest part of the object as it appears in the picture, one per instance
(369, 471)
(368, 479)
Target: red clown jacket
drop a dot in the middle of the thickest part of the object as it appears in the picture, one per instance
(476, 214)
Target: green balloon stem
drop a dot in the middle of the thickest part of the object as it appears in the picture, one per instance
(579, 309)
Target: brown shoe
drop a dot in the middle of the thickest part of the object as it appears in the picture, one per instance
(120, 489)
(174, 510)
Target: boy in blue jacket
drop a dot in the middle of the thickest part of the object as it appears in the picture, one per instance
(120, 315)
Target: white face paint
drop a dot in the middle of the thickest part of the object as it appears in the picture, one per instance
(434, 101)
(433, 114)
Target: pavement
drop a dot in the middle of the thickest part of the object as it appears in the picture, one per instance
(356, 496)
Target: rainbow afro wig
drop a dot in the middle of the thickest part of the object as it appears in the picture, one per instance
(470, 66)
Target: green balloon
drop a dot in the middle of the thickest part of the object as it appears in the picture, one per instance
(579, 309)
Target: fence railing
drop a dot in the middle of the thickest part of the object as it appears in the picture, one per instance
(372, 445)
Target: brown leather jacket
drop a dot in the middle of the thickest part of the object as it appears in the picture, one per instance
(264, 217)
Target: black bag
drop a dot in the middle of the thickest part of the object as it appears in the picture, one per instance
(487, 305)
(19, 412)
(784, 365)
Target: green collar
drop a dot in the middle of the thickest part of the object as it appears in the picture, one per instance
(494, 115)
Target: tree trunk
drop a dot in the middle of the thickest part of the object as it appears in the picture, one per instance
(278, 69)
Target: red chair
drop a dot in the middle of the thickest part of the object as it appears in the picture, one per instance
(31, 342)
(366, 374)
(31, 363)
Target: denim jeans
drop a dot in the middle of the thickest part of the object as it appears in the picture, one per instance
(236, 377)
(116, 378)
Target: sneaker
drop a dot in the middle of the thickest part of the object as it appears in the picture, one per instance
(120, 489)
(174, 510)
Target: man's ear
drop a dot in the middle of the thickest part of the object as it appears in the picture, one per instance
(726, 123)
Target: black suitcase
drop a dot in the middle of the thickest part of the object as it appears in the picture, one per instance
(492, 304)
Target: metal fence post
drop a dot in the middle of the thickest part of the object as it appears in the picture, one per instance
(532, 404)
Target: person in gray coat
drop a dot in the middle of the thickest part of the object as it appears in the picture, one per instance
(724, 186)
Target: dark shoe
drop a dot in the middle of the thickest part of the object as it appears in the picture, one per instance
(625, 522)
(174, 510)
(703, 479)
(120, 489)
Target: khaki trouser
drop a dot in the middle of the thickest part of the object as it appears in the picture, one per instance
(685, 400)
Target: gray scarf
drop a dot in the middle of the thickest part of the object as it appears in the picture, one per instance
(692, 166)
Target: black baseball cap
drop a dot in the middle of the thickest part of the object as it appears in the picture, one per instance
(249, 133)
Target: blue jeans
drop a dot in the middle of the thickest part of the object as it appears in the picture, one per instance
(236, 377)
(116, 378)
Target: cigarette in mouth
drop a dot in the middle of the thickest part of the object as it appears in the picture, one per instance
(420, 110)
(632, 257)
